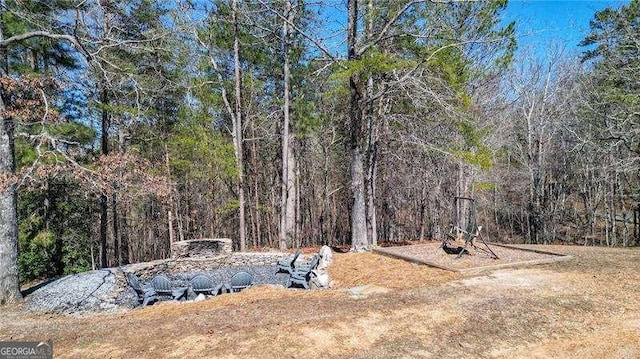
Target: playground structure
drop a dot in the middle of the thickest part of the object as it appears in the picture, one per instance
(465, 228)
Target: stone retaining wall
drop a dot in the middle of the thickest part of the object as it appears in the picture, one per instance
(173, 266)
(201, 248)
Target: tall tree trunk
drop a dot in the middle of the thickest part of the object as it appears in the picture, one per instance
(257, 217)
(167, 163)
(9, 282)
(288, 188)
(372, 222)
(358, 208)
(372, 173)
(115, 227)
(118, 242)
(237, 127)
(103, 231)
(104, 144)
(372, 146)
(325, 216)
(124, 237)
(298, 209)
(291, 194)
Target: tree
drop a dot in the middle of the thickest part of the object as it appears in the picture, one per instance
(540, 114)
(136, 71)
(226, 17)
(288, 191)
(610, 107)
(237, 119)
(12, 109)
(9, 283)
(391, 55)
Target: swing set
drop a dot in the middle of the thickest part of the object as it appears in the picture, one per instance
(466, 228)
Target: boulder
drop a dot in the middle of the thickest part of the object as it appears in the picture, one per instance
(325, 257)
(320, 275)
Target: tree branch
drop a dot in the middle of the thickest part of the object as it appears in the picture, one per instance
(71, 39)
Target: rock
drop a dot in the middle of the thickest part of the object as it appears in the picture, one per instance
(107, 306)
(88, 291)
(325, 258)
(201, 248)
(200, 298)
(320, 278)
(320, 275)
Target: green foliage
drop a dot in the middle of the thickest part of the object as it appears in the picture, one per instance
(122, 109)
(197, 152)
(54, 231)
(373, 62)
(44, 239)
(73, 132)
(613, 32)
(481, 158)
(306, 118)
(453, 66)
(25, 153)
(473, 150)
(484, 186)
(611, 48)
(229, 207)
(76, 257)
(44, 54)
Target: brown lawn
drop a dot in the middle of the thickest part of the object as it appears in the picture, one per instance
(587, 307)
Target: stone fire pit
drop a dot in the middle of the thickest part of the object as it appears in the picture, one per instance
(201, 248)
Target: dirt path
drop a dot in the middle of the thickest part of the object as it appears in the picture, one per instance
(588, 307)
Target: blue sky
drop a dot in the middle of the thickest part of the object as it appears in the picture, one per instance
(544, 23)
(539, 23)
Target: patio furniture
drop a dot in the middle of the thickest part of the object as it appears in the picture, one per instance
(164, 290)
(287, 265)
(305, 266)
(146, 293)
(240, 281)
(203, 284)
(302, 275)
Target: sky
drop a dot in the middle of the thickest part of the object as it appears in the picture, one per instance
(542, 25)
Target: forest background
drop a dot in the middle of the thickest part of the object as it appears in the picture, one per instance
(127, 125)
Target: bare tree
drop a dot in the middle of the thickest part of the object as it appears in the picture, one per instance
(540, 113)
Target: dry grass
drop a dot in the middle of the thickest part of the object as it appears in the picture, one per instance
(586, 307)
(351, 269)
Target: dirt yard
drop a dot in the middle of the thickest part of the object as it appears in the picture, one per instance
(482, 257)
(587, 307)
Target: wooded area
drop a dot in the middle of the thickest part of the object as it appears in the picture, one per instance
(127, 125)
